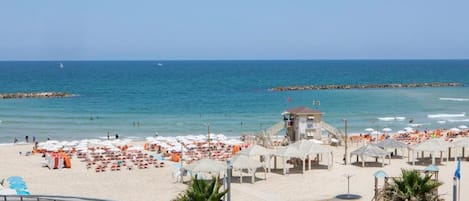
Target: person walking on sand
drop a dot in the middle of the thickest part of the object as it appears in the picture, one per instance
(15, 140)
(26, 138)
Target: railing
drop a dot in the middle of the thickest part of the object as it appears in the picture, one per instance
(332, 130)
(273, 130)
(45, 198)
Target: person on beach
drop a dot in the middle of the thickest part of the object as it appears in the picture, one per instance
(26, 138)
(117, 136)
(34, 139)
(107, 135)
(15, 140)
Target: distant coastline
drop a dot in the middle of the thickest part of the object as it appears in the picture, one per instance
(35, 95)
(366, 86)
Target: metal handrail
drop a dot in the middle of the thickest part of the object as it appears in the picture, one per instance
(46, 198)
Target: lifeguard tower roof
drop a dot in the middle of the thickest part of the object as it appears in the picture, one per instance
(303, 110)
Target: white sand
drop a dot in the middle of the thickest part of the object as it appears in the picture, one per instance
(158, 183)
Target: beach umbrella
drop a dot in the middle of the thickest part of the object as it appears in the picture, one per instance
(408, 129)
(462, 127)
(456, 130)
(401, 132)
(387, 129)
(369, 130)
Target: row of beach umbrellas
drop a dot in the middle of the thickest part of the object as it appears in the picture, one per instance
(410, 129)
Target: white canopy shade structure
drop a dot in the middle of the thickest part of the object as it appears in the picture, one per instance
(241, 162)
(432, 146)
(206, 165)
(7, 191)
(370, 151)
(287, 153)
(310, 148)
(257, 150)
(392, 144)
(462, 143)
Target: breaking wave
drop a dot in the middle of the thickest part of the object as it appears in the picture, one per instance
(446, 115)
(455, 99)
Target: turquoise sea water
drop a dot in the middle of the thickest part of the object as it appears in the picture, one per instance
(140, 98)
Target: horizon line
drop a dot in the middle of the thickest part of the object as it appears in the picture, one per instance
(260, 59)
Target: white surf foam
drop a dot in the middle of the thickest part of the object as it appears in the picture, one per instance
(458, 120)
(400, 118)
(446, 115)
(455, 99)
(418, 125)
(441, 122)
(386, 118)
(391, 118)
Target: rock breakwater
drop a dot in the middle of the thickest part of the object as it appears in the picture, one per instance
(35, 95)
(366, 86)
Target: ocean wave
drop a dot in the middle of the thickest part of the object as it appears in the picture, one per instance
(455, 99)
(446, 115)
(400, 118)
(418, 125)
(391, 118)
(386, 118)
(458, 120)
(441, 122)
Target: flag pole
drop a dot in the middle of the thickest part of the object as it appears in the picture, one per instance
(454, 189)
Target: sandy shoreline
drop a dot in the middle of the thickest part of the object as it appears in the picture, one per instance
(159, 184)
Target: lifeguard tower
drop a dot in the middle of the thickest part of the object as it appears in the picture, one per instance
(303, 123)
(306, 123)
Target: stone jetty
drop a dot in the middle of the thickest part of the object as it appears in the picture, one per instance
(367, 86)
(35, 95)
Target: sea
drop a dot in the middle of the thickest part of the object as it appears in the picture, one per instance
(136, 99)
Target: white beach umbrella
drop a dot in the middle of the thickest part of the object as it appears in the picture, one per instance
(462, 127)
(369, 130)
(456, 130)
(387, 129)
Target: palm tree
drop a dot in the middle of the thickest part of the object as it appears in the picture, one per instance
(413, 187)
(203, 191)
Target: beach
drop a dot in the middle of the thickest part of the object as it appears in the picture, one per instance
(160, 184)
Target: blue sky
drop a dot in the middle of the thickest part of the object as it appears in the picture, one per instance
(244, 29)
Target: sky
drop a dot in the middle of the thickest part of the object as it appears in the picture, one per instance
(241, 29)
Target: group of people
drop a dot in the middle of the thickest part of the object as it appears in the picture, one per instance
(26, 138)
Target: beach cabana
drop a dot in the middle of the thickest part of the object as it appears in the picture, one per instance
(462, 143)
(309, 148)
(392, 144)
(243, 162)
(257, 150)
(206, 165)
(370, 151)
(432, 146)
(290, 152)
